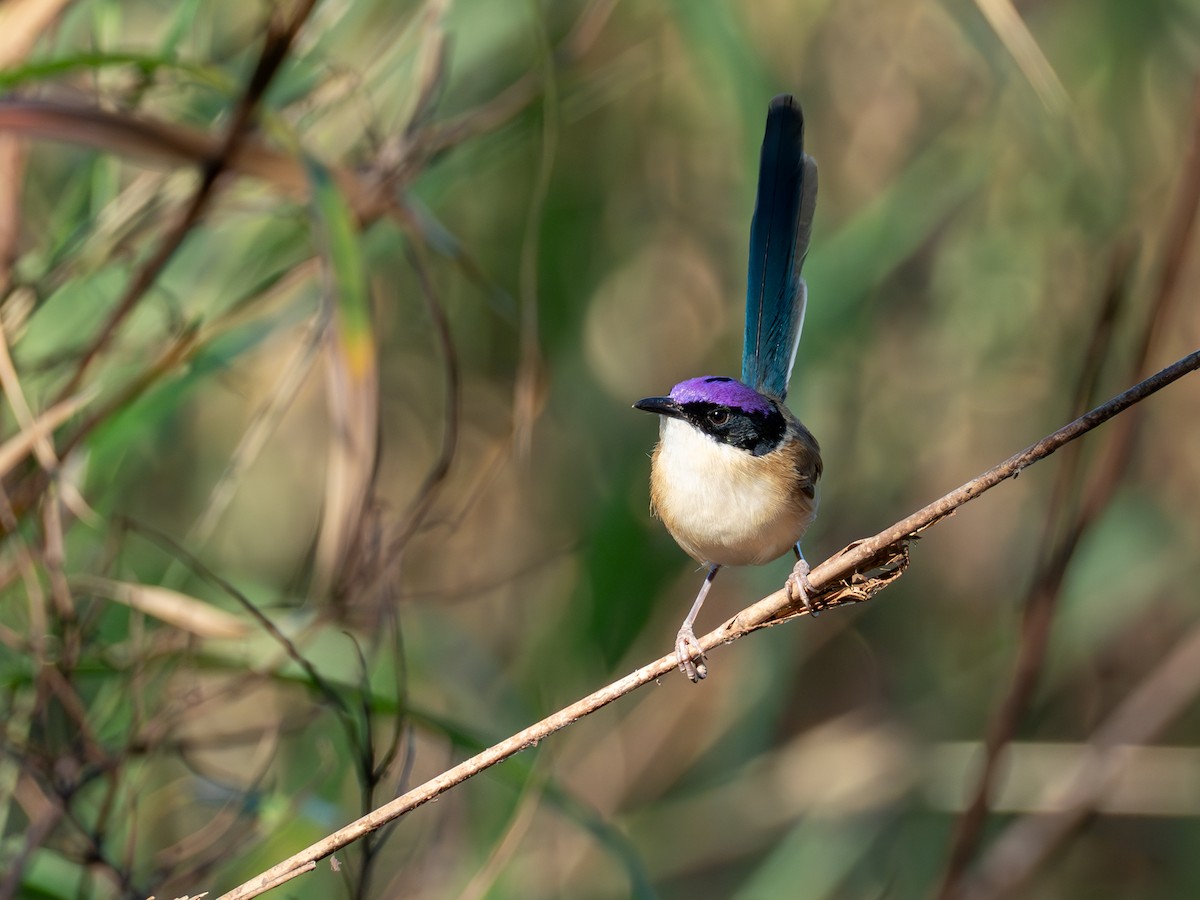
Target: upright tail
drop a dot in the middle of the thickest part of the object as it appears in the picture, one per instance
(779, 234)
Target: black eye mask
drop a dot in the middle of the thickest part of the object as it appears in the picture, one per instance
(755, 432)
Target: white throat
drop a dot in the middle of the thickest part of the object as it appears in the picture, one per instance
(723, 504)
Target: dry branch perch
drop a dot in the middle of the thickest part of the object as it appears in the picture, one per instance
(850, 576)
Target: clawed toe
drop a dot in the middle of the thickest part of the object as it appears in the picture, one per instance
(800, 589)
(690, 655)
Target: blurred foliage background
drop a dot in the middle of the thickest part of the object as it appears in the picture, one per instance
(354, 488)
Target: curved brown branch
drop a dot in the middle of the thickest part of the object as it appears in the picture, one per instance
(850, 576)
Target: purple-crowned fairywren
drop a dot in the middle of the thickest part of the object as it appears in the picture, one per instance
(734, 474)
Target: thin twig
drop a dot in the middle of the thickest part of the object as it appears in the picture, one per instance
(142, 137)
(275, 49)
(315, 679)
(36, 833)
(422, 503)
(839, 578)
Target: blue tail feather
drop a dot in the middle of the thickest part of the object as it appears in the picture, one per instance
(779, 236)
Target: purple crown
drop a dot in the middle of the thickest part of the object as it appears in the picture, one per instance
(723, 391)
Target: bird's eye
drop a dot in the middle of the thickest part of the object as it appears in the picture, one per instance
(718, 417)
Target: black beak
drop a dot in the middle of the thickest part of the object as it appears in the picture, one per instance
(663, 406)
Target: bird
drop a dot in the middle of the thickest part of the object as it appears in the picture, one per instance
(734, 474)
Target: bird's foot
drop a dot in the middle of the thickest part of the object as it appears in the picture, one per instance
(800, 589)
(690, 656)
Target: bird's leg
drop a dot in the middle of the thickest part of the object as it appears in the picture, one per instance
(687, 648)
(798, 587)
